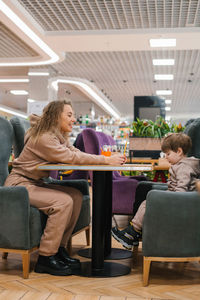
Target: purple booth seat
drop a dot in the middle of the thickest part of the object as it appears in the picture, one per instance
(124, 187)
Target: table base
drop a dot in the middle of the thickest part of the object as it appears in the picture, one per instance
(110, 269)
(115, 254)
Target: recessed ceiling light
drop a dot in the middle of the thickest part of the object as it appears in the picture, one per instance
(163, 76)
(167, 108)
(163, 62)
(38, 73)
(163, 42)
(14, 80)
(164, 92)
(30, 100)
(19, 92)
(168, 101)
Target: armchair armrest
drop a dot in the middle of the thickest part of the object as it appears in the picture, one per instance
(14, 217)
(171, 224)
(142, 190)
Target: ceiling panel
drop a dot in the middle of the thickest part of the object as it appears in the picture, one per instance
(123, 75)
(12, 46)
(56, 15)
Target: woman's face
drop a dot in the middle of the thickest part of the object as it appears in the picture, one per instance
(67, 119)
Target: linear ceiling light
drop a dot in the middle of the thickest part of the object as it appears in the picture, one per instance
(12, 112)
(31, 100)
(18, 92)
(163, 42)
(163, 77)
(163, 62)
(38, 73)
(167, 108)
(168, 101)
(34, 37)
(89, 91)
(164, 92)
(14, 80)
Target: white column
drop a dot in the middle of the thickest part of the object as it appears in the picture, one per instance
(38, 90)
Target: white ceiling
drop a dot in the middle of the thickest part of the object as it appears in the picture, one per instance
(107, 43)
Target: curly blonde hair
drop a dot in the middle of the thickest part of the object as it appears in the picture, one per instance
(49, 121)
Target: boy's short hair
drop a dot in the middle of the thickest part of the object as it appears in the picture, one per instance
(173, 141)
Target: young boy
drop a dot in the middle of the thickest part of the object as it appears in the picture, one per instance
(184, 172)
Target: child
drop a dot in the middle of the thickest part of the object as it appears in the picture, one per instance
(184, 172)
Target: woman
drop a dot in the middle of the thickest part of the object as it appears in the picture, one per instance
(47, 142)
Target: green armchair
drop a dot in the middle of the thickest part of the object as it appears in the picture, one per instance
(21, 225)
(171, 228)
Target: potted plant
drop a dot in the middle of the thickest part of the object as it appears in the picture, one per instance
(146, 136)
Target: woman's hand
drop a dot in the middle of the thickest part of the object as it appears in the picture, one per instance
(117, 159)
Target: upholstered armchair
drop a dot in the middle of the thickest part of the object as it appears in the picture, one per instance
(171, 228)
(124, 187)
(21, 225)
(171, 223)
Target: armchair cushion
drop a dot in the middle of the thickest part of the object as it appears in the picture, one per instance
(171, 224)
(20, 127)
(19, 228)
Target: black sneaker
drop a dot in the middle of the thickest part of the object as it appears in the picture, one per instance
(128, 237)
(52, 265)
(63, 255)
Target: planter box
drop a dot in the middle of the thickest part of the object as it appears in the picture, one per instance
(144, 147)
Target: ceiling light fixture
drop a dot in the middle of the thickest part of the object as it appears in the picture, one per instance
(14, 80)
(163, 62)
(31, 100)
(19, 92)
(38, 73)
(164, 92)
(167, 108)
(163, 42)
(168, 101)
(34, 37)
(89, 91)
(12, 112)
(163, 76)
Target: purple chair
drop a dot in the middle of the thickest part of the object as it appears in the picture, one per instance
(124, 187)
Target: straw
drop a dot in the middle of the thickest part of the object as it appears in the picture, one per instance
(125, 148)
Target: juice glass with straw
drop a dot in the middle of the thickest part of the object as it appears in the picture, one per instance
(125, 148)
(106, 150)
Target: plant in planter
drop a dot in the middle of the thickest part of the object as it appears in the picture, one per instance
(145, 136)
(148, 128)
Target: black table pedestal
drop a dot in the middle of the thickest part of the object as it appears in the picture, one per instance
(101, 231)
(110, 269)
(115, 254)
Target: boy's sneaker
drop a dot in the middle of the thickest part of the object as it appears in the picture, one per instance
(128, 237)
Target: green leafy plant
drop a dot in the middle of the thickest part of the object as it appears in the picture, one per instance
(157, 129)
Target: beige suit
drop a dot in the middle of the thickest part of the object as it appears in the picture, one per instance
(61, 204)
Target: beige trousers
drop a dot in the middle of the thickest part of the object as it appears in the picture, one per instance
(139, 216)
(62, 205)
